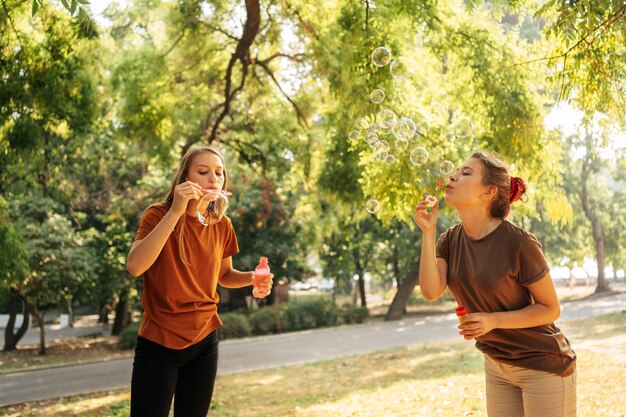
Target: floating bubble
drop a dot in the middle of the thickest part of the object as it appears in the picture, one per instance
(450, 137)
(372, 206)
(371, 137)
(402, 68)
(423, 127)
(211, 208)
(446, 168)
(375, 127)
(404, 128)
(354, 135)
(386, 118)
(463, 127)
(402, 144)
(362, 123)
(381, 155)
(390, 159)
(381, 56)
(419, 156)
(439, 111)
(382, 145)
(377, 96)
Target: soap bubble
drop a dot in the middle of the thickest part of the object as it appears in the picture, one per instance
(371, 137)
(463, 127)
(375, 127)
(382, 145)
(390, 159)
(402, 68)
(362, 123)
(446, 168)
(211, 208)
(381, 56)
(372, 206)
(402, 144)
(385, 130)
(419, 156)
(422, 127)
(377, 96)
(381, 154)
(354, 135)
(386, 118)
(404, 128)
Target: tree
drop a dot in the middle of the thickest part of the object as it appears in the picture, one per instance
(12, 267)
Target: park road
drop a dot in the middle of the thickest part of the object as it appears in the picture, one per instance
(269, 351)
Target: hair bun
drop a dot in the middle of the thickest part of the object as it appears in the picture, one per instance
(517, 189)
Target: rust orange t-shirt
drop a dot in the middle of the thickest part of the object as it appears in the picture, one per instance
(180, 300)
(492, 274)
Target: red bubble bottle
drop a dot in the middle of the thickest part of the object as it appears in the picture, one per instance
(461, 313)
(261, 273)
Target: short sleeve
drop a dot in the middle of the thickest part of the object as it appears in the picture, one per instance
(442, 249)
(149, 220)
(532, 263)
(231, 247)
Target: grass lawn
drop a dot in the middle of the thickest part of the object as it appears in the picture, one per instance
(442, 379)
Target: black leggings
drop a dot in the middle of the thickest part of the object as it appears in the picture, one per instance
(160, 372)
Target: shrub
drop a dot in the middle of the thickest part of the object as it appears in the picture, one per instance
(234, 325)
(309, 314)
(351, 314)
(128, 336)
(267, 320)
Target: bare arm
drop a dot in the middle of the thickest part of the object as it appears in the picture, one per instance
(544, 310)
(232, 278)
(433, 271)
(144, 252)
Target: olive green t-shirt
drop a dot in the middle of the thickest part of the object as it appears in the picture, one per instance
(492, 274)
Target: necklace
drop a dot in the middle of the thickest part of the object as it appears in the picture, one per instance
(488, 225)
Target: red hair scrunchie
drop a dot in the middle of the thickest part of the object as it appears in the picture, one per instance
(517, 188)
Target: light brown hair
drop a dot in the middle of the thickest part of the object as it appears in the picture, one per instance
(496, 173)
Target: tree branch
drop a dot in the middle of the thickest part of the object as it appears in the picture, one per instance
(301, 119)
(242, 54)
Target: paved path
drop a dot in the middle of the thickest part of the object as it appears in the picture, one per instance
(270, 351)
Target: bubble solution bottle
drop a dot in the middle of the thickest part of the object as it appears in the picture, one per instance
(461, 313)
(261, 273)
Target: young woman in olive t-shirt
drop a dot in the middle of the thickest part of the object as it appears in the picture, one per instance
(182, 261)
(498, 271)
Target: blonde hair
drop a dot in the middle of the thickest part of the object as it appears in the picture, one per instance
(179, 178)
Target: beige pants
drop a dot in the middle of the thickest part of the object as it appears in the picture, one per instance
(519, 392)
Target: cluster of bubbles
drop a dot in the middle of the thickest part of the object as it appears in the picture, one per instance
(404, 132)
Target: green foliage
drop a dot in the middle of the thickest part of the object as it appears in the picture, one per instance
(309, 314)
(128, 337)
(351, 314)
(234, 325)
(267, 320)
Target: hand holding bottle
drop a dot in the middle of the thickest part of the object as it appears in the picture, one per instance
(262, 279)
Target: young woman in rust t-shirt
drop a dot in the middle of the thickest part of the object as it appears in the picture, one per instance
(182, 261)
(498, 271)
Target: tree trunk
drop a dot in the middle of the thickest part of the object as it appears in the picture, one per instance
(598, 237)
(360, 269)
(121, 308)
(70, 312)
(11, 339)
(398, 305)
(42, 330)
